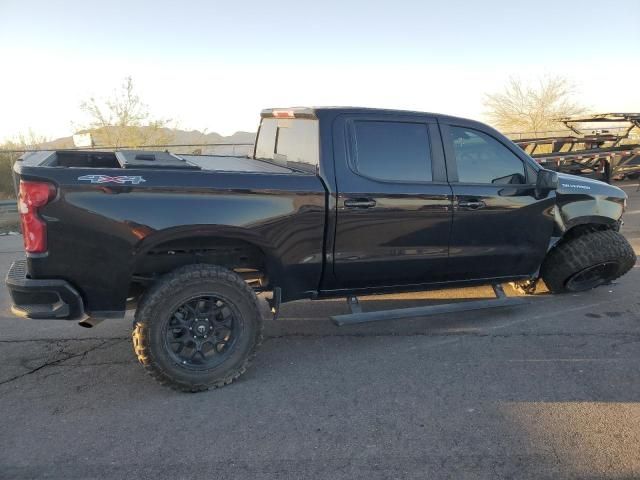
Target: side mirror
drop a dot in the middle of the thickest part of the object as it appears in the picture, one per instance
(547, 181)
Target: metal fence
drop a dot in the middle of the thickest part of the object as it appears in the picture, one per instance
(231, 149)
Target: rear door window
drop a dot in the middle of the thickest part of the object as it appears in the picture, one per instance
(392, 151)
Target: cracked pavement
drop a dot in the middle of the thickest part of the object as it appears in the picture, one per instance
(546, 390)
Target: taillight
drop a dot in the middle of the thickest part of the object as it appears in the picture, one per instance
(33, 195)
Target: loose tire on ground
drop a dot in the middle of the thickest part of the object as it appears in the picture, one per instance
(205, 309)
(587, 261)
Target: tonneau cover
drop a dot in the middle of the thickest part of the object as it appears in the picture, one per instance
(234, 164)
(142, 159)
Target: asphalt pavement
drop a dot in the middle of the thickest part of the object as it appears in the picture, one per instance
(546, 390)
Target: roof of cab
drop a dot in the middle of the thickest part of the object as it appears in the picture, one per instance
(311, 112)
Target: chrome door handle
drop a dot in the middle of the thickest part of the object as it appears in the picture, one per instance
(359, 203)
(472, 205)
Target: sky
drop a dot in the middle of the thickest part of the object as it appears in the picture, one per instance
(215, 64)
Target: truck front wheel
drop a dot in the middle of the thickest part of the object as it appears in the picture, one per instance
(587, 261)
(197, 328)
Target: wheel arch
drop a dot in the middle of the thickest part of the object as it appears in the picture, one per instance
(599, 222)
(567, 228)
(230, 247)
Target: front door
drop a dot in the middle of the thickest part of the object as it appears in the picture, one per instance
(500, 228)
(393, 203)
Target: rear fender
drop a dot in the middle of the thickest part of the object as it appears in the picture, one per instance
(226, 234)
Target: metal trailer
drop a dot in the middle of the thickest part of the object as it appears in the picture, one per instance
(601, 153)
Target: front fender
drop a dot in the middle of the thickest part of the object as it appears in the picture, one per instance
(574, 210)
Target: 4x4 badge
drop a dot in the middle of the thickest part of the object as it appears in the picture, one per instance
(133, 179)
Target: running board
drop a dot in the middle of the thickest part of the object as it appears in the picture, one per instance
(357, 316)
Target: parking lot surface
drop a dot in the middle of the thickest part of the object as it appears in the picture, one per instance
(546, 390)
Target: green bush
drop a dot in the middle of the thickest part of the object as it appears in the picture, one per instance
(6, 175)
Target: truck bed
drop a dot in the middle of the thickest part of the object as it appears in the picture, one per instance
(131, 214)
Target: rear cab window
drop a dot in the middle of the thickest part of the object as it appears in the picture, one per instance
(290, 142)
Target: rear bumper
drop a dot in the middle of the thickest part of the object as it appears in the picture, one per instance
(42, 299)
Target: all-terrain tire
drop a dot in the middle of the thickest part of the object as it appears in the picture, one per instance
(159, 304)
(603, 255)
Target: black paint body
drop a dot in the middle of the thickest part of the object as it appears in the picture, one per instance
(417, 236)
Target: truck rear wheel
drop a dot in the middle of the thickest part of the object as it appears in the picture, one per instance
(587, 261)
(197, 328)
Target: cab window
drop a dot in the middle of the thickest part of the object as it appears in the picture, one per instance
(289, 142)
(481, 158)
(392, 151)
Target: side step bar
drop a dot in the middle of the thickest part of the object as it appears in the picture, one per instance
(358, 316)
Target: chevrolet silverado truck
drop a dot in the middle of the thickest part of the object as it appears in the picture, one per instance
(333, 202)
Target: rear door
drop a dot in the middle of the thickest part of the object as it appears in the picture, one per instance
(500, 227)
(393, 204)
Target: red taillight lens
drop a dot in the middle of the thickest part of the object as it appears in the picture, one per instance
(32, 196)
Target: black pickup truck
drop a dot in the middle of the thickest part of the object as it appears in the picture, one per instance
(333, 202)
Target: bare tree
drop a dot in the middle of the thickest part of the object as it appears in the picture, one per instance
(526, 108)
(9, 153)
(124, 120)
